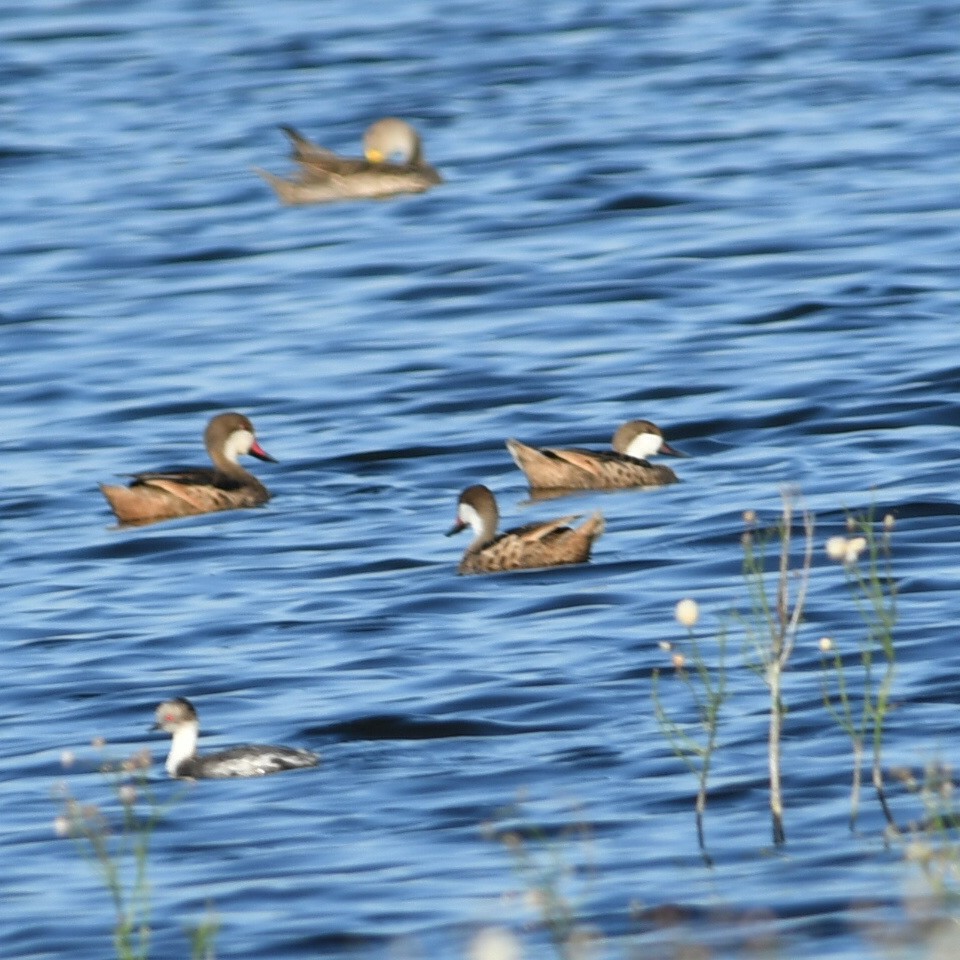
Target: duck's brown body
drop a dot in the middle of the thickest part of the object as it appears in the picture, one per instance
(576, 469)
(326, 176)
(549, 543)
(163, 495)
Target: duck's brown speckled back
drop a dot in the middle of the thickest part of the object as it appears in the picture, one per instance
(550, 544)
(625, 465)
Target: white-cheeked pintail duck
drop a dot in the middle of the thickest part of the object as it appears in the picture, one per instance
(392, 164)
(549, 543)
(183, 492)
(626, 465)
(179, 718)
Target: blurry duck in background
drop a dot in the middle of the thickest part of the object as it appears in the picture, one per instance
(185, 491)
(624, 466)
(392, 164)
(549, 543)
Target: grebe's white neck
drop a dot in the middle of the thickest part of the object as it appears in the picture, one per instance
(183, 746)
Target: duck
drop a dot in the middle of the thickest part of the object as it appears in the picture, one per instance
(624, 466)
(392, 164)
(178, 717)
(186, 491)
(549, 543)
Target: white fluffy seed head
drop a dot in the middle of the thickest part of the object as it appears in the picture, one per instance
(855, 547)
(687, 613)
(837, 548)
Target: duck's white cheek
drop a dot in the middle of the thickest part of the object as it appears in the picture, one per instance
(240, 441)
(643, 446)
(468, 515)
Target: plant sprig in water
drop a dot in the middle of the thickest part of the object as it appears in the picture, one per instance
(706, 686)
(120, 854)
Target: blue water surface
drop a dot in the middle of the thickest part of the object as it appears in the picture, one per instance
(740, 220)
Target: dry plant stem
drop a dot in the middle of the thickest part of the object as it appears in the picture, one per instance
(842, 713)
(701, 808)
(697, 755)
(878, 785)
(857, 782)
(880, 617)
(709, 711)
(773, 756)
(874, 594)
(776, 646)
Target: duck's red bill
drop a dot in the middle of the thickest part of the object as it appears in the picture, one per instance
(257, 451)
(669, 451)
